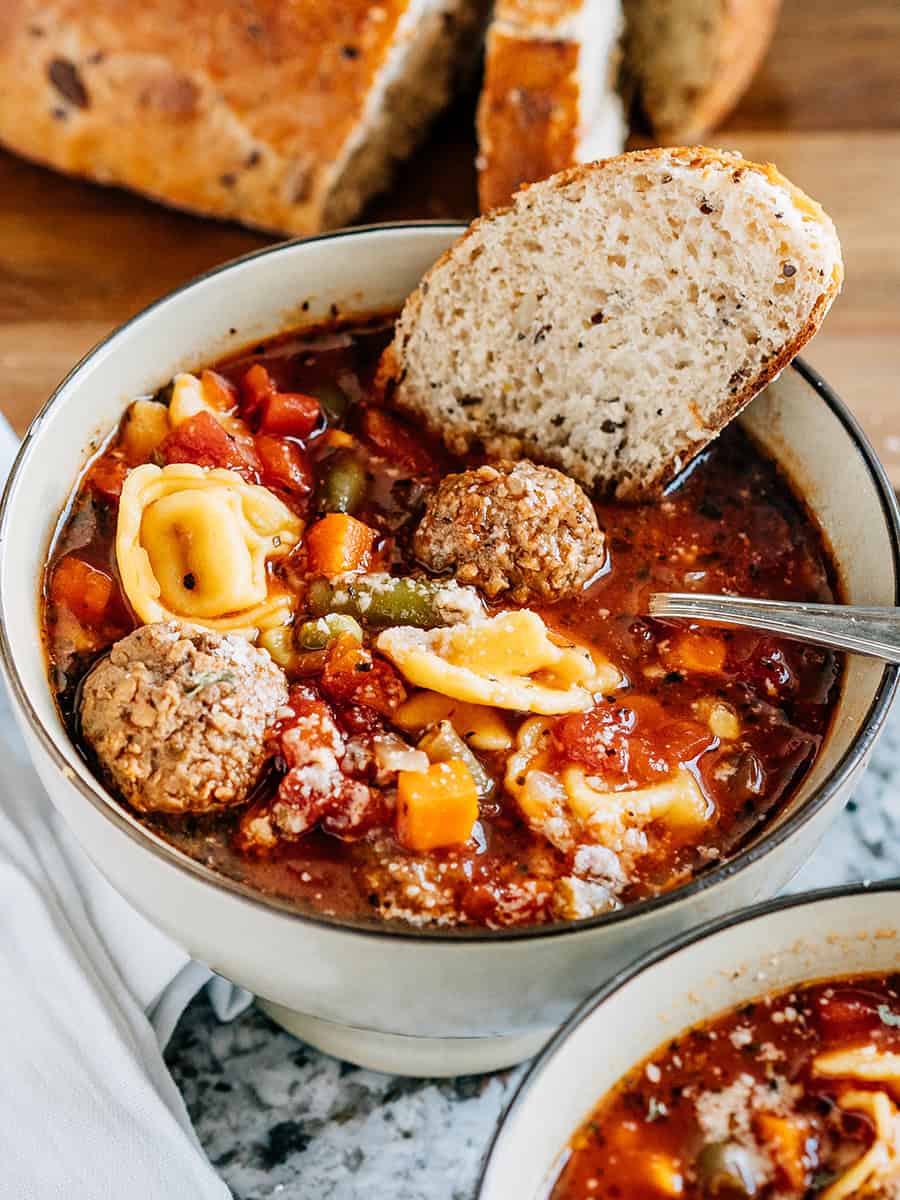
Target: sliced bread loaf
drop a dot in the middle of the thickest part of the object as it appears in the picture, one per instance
(692, 61)
(617, 315)
(549, 95)
(286, 116)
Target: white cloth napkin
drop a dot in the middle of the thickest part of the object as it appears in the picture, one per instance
(89, 995)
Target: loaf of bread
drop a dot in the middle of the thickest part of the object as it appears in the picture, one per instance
(692, 60)
(285, 116)
(549, 96)
(617, 316)
(553, 91)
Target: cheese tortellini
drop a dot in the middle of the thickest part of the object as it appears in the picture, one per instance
(879, 1168)
(194, 543)
(570, 807)
(508, 661)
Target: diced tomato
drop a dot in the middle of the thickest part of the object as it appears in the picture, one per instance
(682, 740)
(290, 414)
(256, 387)
(397, 443)
(354, 810)
(284, 465)
(848, 1013)
(353, 675)
(355, 718)
(218, 391)
(107, 476)
(597, 739)
(82, 588)
(768, 669)
(202, 440)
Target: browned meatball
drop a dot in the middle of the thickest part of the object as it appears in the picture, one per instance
(513, 527)
(178, 716)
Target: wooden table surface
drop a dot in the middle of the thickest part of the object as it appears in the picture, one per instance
(76, 260)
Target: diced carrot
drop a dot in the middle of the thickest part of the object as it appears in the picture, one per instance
(699, 652)
(218, 391)
(338, 543)
(786, 1140)
(202, 440)
(107, 476)
(284, 465)
(397, 442)
(290, 414)
(339, 439)
(664, 1173)
(437, 807)
(85, 590)
(256, 387)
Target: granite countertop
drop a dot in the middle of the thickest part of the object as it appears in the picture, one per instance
(279, 1119)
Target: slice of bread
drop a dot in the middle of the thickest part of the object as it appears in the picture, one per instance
(692, 61)
(616, 316)
(285, 116)
(549, 95)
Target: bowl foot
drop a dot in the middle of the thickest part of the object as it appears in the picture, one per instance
(398, 1054)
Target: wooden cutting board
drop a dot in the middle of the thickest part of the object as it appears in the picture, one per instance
(76, 259)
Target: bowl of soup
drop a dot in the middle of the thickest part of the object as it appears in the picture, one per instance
(383, 733)
(758, 1058)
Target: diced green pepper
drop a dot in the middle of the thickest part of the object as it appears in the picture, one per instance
(380, 600)
(343, 485)
(334, 401)
(442, 743)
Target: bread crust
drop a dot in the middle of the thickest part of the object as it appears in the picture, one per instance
(746, 31)
(528, 113)
(533, 111)
(392, 369)
(216, 106)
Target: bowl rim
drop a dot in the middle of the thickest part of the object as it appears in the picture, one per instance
(651, 958)
(153, 843)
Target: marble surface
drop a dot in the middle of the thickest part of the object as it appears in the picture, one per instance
(278, 1119)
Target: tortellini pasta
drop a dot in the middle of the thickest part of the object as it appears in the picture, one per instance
(880, 1165)
(509, 661)
(194, 543)
(878, 1170)
(569, 807)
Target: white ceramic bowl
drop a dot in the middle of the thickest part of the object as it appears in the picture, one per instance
(774, 947)
(388, 997)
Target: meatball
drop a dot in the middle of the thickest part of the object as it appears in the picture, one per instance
(512, 526)
(177, 717)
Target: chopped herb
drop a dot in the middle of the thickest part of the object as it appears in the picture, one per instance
(656, 1109)
(888, 1017)
(207, 679)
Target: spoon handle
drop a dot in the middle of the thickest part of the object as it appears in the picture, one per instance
(874, 632)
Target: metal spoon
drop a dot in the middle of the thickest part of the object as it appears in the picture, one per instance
(874, 632)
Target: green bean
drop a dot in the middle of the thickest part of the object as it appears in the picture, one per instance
(379, 600)
(334, 401)
(342, 488)
(442, 743)
(315, 635)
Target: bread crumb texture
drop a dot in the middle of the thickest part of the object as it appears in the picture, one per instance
(617, 315)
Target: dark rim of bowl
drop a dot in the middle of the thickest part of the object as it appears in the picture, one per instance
(105, 803)
(651, 958)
